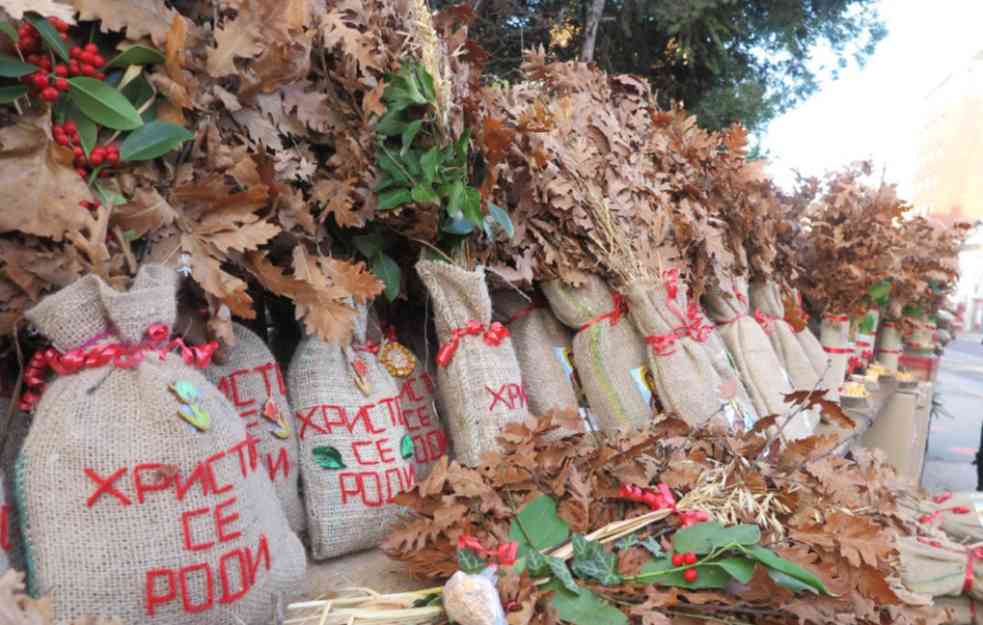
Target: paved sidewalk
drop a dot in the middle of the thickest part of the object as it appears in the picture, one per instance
(954, 435)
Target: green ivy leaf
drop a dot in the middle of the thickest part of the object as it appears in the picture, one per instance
(536, 564)
(8, 29)
(88, 131)
(426, 84)
(406, 447)
(502, 218)
(740, 568)
(12, 67)
(423, 194)
(48, 33)
(709, 576)
(705, 537)
(775, 562)
(389, 165)
(409, 134)
(455, 200)
(9, 94)
(545, 527)
(651, 544)
(584, 608)
(103, 104)
(472, 205)
(328, 458)
(137, 55)
(560, 571)
(391, 124)
(369, 244)
(153, 140)
(394, 198)
(470, 562)
(591, 561)
(429, 163)
(386, 269)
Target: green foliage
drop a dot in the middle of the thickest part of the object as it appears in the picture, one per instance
(585, 607)
(591, 561)
(706, 537)
(12, 67)
(726, 60)
(538, 526)
(103, 104)
(152, 140)
(470, 562)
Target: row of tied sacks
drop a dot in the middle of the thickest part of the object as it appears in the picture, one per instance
(146, 490)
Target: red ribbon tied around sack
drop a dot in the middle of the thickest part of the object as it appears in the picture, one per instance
(612, 316)
(119, 355)
(972, 555)
(493, 337)
(765, 321)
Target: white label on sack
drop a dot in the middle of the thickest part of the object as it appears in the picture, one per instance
(640, 376)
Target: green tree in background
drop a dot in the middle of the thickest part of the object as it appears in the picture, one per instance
(726, 60)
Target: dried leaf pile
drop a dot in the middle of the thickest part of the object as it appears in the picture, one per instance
(834, 517)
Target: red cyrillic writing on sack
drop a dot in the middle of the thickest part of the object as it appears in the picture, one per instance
(124, 485)
(507, 396)
(375, 488)
(195, 584)
(248, 406)
(325, 418)
(5, 512)
(429, 446)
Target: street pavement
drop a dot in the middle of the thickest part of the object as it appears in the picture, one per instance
(954, 435)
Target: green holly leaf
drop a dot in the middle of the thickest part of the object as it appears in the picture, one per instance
(51, 37)
(369, 244)
(708, 576)
(152, 140)
(541, 522)
(705, 537)
(137, 55)
(470, 562)
(8, 29)
(386, 269)
(592, 561)
(406, 447)
(740, 568)
(9, 94)
(88, 131)
(12, 67)
(328, 458)
(776, 563)
(584, 607)
(104, 104)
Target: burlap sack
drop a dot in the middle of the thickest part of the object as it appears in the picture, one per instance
(767, 302)
(834, 335)
(16, 432)
(478, 375)
(940, 567)
(685, 380)
(542, 346)
(961, 610)
(355, 452)
(863, 344)
(739, 411)
(922, 338)
(959, 515)
(252, 380)
(761, 370)
(889, 346)
(813, 348)
(129, 511)
(608, 353)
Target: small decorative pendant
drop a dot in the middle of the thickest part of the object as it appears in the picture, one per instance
(189, 410)
(397, 360)
(328, 458)
(273, 415)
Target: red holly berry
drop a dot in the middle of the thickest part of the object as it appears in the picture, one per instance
(678, 559)
(87, 57)
(61, 84)
(78, 152)
(91, 47)
(59, 24)
(105, 173)
(40, 80)
(100, 76)
(70, 127)
(112, 156)
(75, 52)
(64, 37)
(97, 60)
(88, 70)
(81, 172)
(74, 68)
(691, 575)
(61, 70)
(34, 59)
(97, 156)
(45, 64)
(689, 558)
(50, 94)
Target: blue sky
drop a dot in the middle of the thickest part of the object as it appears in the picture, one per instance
(875, 111)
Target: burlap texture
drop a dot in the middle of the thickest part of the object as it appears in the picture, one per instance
(685, 380)
(16, 432)
(417, 397)
(760, 368)
(349, 504)
(481, 387)
(835, 335)
(249, 376)
(889, 346)
(939, 569)
(538, 337)
(604, 354)
(961, 610)
(740, 410)
(863, 345)
(960, 515)
(766, 298)
(117, 553)
(922, 338)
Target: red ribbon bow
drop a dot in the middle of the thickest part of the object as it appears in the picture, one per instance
(493, 337)
(369, 347)
(120, 355)
(765, 321)
(613, 316)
